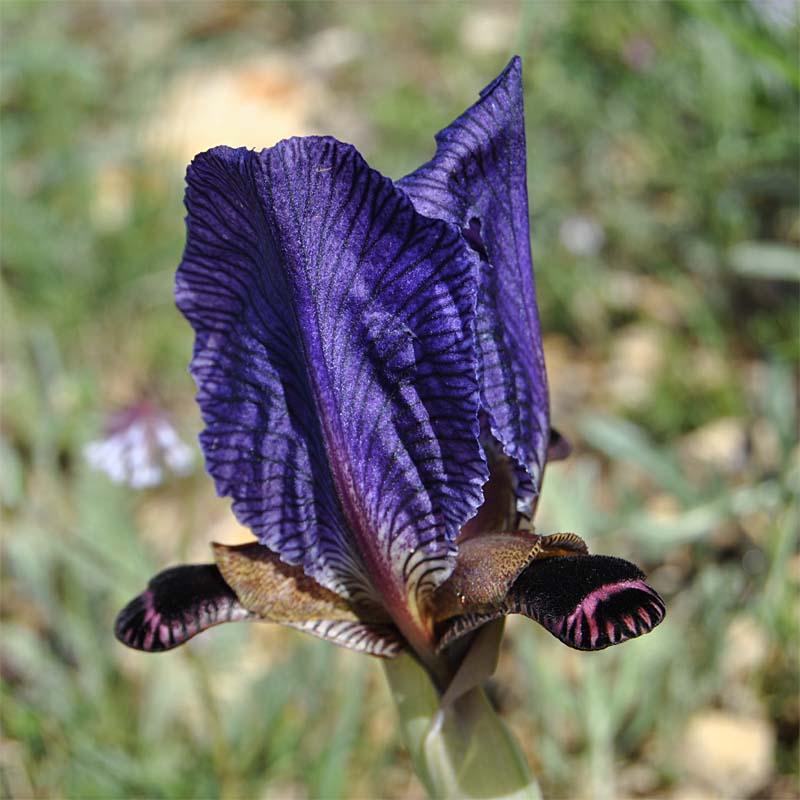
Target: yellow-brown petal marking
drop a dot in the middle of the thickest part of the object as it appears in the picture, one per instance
(276, 591)
(563, 544)
(487, 566)
(279, 592)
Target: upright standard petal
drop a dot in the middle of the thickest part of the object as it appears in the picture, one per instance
(335, 361)
(477, 180)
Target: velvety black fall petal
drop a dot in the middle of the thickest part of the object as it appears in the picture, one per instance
(588, 602)
(186, 600)
(178, 604)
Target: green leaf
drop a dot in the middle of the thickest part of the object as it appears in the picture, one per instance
(766, 260)
(11, 475)
(621, 440)
(465, 751)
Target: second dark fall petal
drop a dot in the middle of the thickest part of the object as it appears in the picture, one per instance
(588, 602)
(248, 583)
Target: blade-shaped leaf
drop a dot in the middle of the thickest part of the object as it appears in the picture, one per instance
(335, 364)
(477, 180)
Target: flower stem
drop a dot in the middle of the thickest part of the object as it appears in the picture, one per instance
(463, 751)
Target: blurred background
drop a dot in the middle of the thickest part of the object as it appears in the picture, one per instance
(663, 180)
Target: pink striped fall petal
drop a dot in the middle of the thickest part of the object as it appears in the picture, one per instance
(178, 604)
(487, 569)
(588, 602)
(248, 582)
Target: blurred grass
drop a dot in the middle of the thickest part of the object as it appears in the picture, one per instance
(672, 343)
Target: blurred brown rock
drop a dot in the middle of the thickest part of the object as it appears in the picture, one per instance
(285, 790)
(729, 755)
(112, 200)
(571, 379)
(746, 647)
(488, 30)
(636, 359)
(693, 793)
(255, 103)
(709, 369)
(721, 444)
(334, 47)
(766, 445)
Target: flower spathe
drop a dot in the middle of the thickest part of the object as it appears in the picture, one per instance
(370, 372)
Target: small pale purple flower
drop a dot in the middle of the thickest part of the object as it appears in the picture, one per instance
(139, 447)
(370, 372)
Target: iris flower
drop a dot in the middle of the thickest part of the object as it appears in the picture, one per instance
(370, 373)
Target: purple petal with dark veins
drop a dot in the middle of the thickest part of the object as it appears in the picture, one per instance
(477, 180)
(335, 361)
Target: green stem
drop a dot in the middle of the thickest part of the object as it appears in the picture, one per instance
(463, 751)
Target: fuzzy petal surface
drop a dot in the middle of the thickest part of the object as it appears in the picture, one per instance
(335, 363)
(477, 180)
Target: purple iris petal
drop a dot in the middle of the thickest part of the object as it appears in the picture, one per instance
(335, 362)
(477, 180)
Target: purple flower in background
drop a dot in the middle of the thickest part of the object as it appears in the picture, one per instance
(638, 52)
(140, 446)
(370, 372)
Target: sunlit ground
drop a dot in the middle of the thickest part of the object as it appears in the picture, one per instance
(663, 180)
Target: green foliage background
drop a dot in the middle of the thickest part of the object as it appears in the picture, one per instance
(672, 343)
